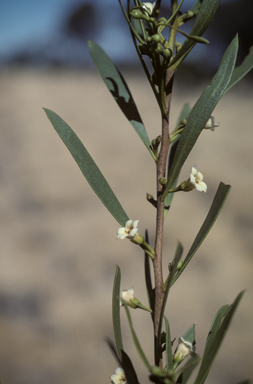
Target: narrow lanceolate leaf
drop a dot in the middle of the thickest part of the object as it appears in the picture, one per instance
(116, 312)
(183, 114)
(135, 338)
(148, 281)
(88, 167)
(242, 70)
(167, 286)
(218, 202)
(169, 357)
(202, 110)
(118, 87)
(204, 18)
(187, 369)
(128, 367)
(197, 6)
(215, 337)
(189, 335)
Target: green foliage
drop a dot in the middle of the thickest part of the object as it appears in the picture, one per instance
(168, 200)
(204, 18)
(242, 70)
(116, 312)
(165, 56)
(201, 112)
(135, 338)
(215, 337)
(88, 167)
(216, 207)
(119, 89)
(169, 357)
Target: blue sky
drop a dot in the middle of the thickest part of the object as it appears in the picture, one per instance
(25, 23)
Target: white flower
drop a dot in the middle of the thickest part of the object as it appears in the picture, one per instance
(129, 231)
(128, 296)
(184, 349)
(211, 124)
(149, 6)
(195, 181)
(119, 377)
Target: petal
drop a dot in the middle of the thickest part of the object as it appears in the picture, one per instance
(133, 232)
(131, 290)
(129, 225)
(199, 176)
(121, 231)
(201, 187)
(194, 171)
(135, 223)
(192, 179)
(121, 237)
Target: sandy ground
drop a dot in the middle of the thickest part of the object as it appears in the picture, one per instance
(58, 247)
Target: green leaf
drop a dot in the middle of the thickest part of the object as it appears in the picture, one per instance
(167, 286)
(203, 20)
(184, 113)
(242, 70)
(197, 6)
(215, 337)
(190, 334)
(169, 357)
(116, 312)
(128, 367)
(134, 336)
(187, 369)
(118, 87)
(217, 205)
(148, 281)
(202, 110)
(168, 200)
(88, 167)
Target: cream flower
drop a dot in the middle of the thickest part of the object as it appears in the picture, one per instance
(210, 124)
(184, 349)
(128, 296)
(150, 6)
(129, 231)
(119, 377)
(195, 181)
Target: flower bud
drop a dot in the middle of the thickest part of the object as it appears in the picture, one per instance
(148, 7)
(159, 49)
(178, 46)
(157, 38)
(163, 180)
(190, 13)
(137, 14)
(167, 53)
(184, 349)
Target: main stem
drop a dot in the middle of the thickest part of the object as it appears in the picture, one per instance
(160, 172)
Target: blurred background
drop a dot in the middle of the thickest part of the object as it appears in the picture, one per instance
(58, 253)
